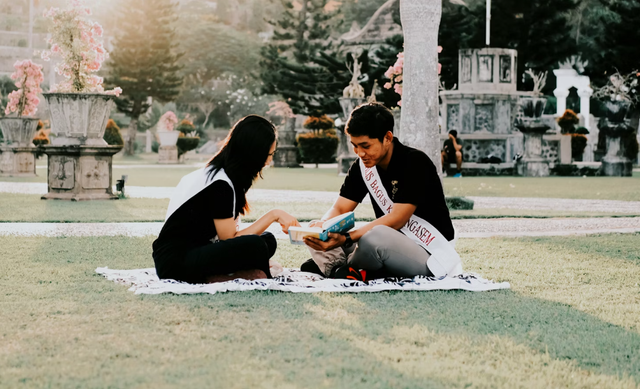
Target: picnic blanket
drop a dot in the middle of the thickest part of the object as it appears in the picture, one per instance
(145, 281)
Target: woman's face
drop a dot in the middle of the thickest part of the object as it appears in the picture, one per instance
(272, 151)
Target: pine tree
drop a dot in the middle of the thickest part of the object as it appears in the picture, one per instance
(536, 28)
(144, 61)
(619, 45)
(288, 66)
(457, 27)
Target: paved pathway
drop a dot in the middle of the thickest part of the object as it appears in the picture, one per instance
(297, 196)
(476, 228)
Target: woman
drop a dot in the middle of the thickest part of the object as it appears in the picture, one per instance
(201, 240)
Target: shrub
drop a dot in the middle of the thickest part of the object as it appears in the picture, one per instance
(568, 121)
(112, 134)
(155, 146)
(187, 143)
(578, 143)
(318, 123)
(186, 126)
(318, 147)
(581, 130)
(41, 138)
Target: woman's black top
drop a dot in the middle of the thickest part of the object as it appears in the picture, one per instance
(191, 226)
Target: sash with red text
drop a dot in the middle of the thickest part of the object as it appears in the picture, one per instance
(444, 258)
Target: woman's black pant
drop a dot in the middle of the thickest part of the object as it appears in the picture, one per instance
(229, 256)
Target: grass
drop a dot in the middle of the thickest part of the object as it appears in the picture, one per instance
(571, 320)
(31, 209)
(605, 188)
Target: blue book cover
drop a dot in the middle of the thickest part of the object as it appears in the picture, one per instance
(339, 224)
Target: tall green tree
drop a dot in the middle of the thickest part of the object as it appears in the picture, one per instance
(144, 61)
(289, 61)
(536, 28)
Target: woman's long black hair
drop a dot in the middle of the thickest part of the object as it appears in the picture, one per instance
(243, 155)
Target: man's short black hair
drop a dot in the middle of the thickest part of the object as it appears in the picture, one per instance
(373, 120)
(454, 133)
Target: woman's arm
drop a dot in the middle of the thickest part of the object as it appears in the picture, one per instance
(342, 205)
(226, 228)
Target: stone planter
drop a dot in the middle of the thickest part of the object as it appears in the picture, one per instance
(532, 163)
(168, 138)
(615, 162)
(287, 152)
(532, 107)
(18, 131)
(79, 118)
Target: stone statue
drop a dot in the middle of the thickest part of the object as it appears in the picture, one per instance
(354, 90)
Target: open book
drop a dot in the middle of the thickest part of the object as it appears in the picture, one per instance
(339, 224)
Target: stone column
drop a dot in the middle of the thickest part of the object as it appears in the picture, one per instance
(561, 102)
(419, 127)
(148, 148)
(287, 152)
(585, 98)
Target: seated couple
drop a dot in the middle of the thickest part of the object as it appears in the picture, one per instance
(201, 241)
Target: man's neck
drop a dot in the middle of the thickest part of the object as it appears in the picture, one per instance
(384, 164)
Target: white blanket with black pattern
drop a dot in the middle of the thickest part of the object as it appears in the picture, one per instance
(145, 281)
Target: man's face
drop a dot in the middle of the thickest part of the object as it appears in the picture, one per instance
(370, 150)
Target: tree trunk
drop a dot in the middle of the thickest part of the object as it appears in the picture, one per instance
(419, 120)
(131, 136)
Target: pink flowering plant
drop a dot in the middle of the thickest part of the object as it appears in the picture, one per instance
(28, 77)
(76, 39)
(167, 121)
(394, 73)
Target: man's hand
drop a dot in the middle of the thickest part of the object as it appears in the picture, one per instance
(316, 223)
(335, 240)
(452, 137)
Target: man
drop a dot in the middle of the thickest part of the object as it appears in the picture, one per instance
(412, 233)
(452, 151)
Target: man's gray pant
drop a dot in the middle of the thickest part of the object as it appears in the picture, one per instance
(381, 249)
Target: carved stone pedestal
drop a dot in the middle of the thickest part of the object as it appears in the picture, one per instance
(532, 163)
(287, 152)
(615, 163)
(80, 172)
(168, 154)
(17, 161)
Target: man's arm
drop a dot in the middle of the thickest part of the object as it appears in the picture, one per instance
(396, 219)
(456, 146)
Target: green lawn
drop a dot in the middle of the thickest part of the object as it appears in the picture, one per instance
(609, 188)
(572, 319)
(30, 208)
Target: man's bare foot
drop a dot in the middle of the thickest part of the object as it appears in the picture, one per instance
(251, 274)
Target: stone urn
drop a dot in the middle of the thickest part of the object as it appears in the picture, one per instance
(168, 138)
(532, 106)
(287, 152)
(18, 131)
(615, 126)
(532, 163)
(79, 118)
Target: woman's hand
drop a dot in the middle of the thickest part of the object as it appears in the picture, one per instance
(285, 220)
(315, 223)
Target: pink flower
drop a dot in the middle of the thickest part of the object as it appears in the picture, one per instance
(97, 29)
(55, 48)
(387, 85)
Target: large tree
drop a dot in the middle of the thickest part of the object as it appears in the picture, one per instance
(144, 61)
(289, 65)
(536, 28)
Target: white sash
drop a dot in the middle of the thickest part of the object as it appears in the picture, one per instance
(194, 183)
(444, 259)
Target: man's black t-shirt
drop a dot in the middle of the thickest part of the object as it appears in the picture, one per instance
(410, 178)
(192, 226)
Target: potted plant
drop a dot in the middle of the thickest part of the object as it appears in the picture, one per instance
(188, 138)
(19, 130)
(533, 106)
(321, 143)
(79, 105)
(165, 129)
